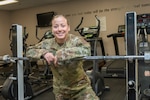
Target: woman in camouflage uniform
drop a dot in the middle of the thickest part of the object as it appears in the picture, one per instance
(70, 81)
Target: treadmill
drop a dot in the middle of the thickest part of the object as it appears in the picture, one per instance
(115, 68)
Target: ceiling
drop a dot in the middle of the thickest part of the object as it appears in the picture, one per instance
(28, 4)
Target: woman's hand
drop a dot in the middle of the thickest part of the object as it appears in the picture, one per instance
(50, 58)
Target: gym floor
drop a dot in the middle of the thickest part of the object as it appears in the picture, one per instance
(117, 89)
(116, 92)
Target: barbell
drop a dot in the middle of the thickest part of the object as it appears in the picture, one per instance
(7, 58)
(145, 57)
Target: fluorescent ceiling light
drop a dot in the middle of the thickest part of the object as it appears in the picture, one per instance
(5, 2)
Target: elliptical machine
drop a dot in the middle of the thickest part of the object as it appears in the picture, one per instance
(91, 34)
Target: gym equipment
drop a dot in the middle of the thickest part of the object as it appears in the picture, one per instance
(133, 61)
(143, 22)
(91, 35)
(132, 83)
(5, 69)
(96, 77)
(8, 59)
(48, 34)
(145, 57)
(89, 32)
(112, 68)
(143, 29)
(25, 36)
(18, 86)
(16, 80)
(115, 36)
(132, 67)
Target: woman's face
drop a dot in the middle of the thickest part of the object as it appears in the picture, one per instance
(60, 28)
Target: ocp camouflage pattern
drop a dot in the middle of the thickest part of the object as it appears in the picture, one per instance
(69, 76)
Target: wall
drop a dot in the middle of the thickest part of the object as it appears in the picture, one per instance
(113, 10)
(5, 22)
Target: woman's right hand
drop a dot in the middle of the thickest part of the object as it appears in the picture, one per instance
(50, 58)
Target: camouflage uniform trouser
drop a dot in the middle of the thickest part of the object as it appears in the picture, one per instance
(84, 94)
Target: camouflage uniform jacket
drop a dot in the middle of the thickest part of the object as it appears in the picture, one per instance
(69, 76)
